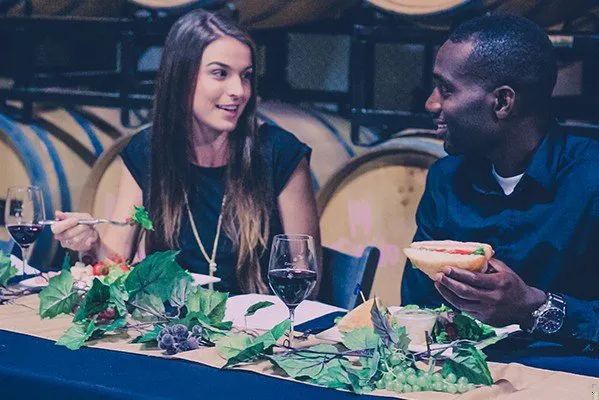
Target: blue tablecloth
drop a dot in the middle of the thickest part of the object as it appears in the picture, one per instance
(36, 368)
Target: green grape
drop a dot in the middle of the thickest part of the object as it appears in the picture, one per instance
(438, 386)
(410, 371)
(397, 370)
(389, 385)
(396, 386)
(395, 359)
(407, 388)
(451, 388)
(451, 378)
(462, 387)
(401, 376)
(412, 379)
(380, 384)
(437, 377)
(388, 378)
(422, 381)
(416, 388)
(463, 380)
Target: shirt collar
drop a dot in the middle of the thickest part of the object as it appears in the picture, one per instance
(544, 163)
(542, 168)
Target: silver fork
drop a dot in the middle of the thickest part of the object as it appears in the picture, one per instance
(92, 222)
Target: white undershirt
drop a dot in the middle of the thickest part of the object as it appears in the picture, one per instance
(507, 184)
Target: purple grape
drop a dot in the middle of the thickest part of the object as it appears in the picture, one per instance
(196, 330)
(192, 343)
(180, 331)
(171, 350)
(167, 339)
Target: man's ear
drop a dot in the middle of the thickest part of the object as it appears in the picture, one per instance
(505, 99)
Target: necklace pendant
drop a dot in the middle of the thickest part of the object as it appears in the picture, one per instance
(212, 267)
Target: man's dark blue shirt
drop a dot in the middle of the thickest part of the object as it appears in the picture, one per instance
(547, 230)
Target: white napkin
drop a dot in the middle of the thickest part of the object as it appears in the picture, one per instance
(269, 317)
(18, 264)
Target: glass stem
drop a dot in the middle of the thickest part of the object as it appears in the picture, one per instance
(291, 319)
(25, 255)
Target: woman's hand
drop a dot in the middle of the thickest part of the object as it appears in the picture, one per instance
(71, 235)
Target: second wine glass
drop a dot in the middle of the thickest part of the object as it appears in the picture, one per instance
(292, 271)
(23, 214)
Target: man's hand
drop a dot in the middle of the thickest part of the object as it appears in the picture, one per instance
(498, 299)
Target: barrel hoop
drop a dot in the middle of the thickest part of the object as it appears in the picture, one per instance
(268, 12)
(334, 182)
(271, 122)
(83, 152)
(93, 138)
(106, 127)
(61, 176)
(39, 178)
(350, 152)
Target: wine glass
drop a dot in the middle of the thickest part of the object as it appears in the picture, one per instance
(292, 271)
(23, 213)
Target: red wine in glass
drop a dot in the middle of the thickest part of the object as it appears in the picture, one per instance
(292, 271)
(25, 234)
(23, 212)
(292, 285)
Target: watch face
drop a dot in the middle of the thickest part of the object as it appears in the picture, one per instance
(551, 321)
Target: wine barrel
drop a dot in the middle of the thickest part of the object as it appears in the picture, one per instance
(55, 152)
(372, 201)
(73, 8)
(263, 14)
(449, 12)
(328, 135)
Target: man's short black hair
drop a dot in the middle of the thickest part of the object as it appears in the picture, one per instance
(510, 50)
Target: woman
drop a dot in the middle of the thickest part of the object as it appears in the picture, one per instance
(217, 186)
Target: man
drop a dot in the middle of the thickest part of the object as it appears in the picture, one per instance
(514, 180)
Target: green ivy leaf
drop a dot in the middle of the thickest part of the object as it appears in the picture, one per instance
(181, 289)
(147, 308)
(149, 336)
(468, 361)
(209, 302)
(370, 366)
(117, 323)
(361, 339)
(258, 306)
(468, 328)
(113, 274)
(58, 297)
(304, 364)
(76, 335)
(233, 345)
(96, 300)
(7, 270)
(248, 354)
(66, 262)
(119, 295)
(271, 337)
(382, 327)
(141, 216)
(334, 377)
(154, 275)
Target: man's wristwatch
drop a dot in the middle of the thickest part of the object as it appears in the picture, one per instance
(549, 317)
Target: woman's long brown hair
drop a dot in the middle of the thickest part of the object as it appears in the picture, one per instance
(246, 214)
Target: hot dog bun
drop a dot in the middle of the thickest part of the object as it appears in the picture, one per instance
(434, 255)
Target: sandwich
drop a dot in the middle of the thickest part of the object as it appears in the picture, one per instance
(433, 256)
(357, 318)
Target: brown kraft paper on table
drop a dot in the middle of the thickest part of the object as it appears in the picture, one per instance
(512, 381)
